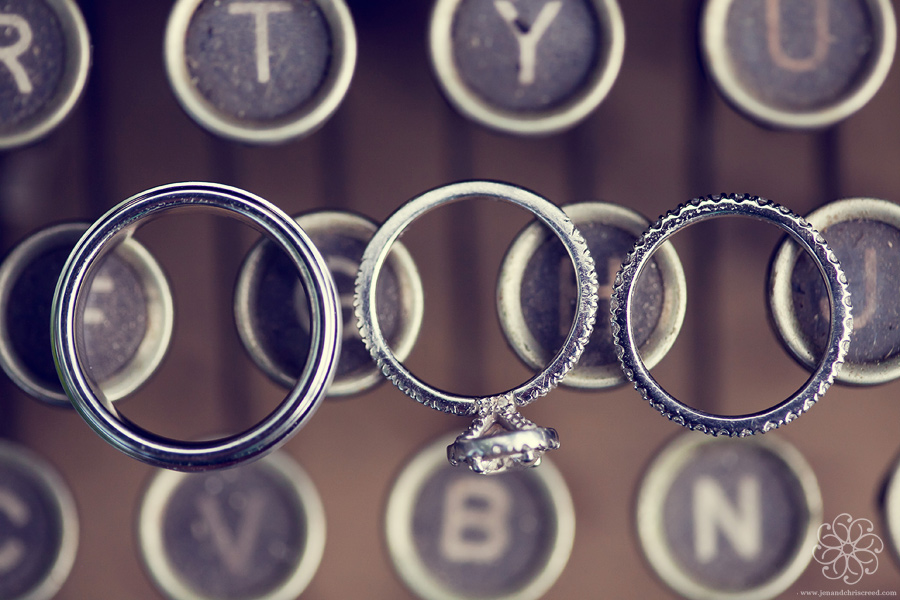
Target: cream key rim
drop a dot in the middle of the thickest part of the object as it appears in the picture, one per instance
(780, 295)
(821, 379)
(399, 535)
(390, 230)
(715, 55)
(297, 123)
(659, 478)
(412, 301)
(155, 503)
(509, 297)
(160, 315)
(64, 505)
(301, 401)
(72, 85)
(570, 113)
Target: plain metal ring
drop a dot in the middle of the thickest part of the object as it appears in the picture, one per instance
(377, 251)
(702, 209)
(291, 414)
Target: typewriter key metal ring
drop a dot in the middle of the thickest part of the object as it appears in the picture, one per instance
(260, 72)
(291, 414)
(535, 296)
(838, 297)
(798, 65)
(526, 67)
(270, 304)
(520, 443)
(126, 322)
(865, 235)
(45, 51)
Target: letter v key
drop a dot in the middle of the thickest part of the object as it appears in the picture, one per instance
(235, 550)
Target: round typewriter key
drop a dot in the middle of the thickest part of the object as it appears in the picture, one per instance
(260, 71)
(270, 304)
(798, 64)
(890, 508)
(44, 61)
(865, 235)
(127, 317)
(528, 67)
(453, 535)
(255, 532)
(536, 294)
(721, 518)
(38, 526)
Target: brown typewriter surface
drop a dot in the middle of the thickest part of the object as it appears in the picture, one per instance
(661, 137)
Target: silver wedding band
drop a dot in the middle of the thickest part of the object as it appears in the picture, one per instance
(291, 414)
(702, 209)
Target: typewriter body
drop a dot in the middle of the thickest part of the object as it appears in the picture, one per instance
(662, 135)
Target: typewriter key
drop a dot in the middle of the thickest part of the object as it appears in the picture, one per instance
(840, 322)
(254, 532)
(38, 526)
(890, 508)
(797, 64)
(536, 294)
(526, 67)
(720, 518)
(499, 438)
(68, 339)
(865, 235)
(453, 535)
(271, 309)
(127, 317)
(44, 60)
(260, 72)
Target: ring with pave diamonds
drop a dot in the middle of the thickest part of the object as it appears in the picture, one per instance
(288, 417)
(480, 447)
(786, 411)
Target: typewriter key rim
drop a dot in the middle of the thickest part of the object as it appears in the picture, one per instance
(155, 503)
(514, 267)
(714, 52)
(528, 123)
(401, 545)
(379, 247)
(160, 314)
(47, 476)
(71, 86)
(301, 401)
(780, 294)
(360, 228)
(653, 489)
(296, 124)
(812, 241)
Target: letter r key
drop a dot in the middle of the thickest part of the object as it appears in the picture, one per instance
(44, 60)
